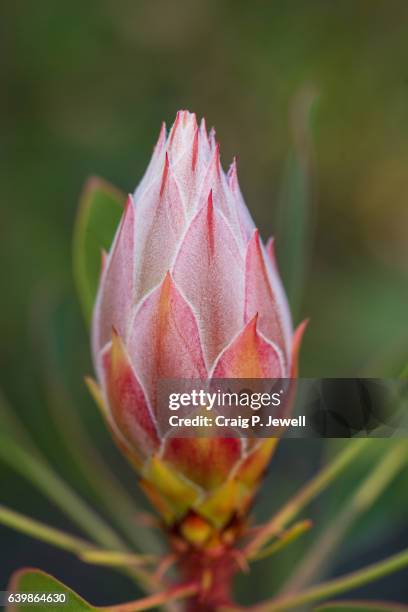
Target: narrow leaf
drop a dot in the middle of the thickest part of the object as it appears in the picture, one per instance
(294, 223)
(29, 463)
(115, 558)
(404, 373)
(39, 473)
(12, 427)
(288, 536)
(342, 584)
(304, 496)
(40, 531)
(85, 550)
(100, 210)
(53, 344)
(321, 553)
(361, 606)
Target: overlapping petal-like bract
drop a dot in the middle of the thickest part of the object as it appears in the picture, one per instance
(188, 290)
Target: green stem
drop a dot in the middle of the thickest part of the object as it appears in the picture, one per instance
(364, 497)
(114, 558)
(84, 549)
(288, 536)
(37, 471)
(40, 531)
(292, 508)
(337, 585)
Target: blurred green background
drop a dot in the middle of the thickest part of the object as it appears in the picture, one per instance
(85, 87)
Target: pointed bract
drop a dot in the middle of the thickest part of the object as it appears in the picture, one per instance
(115, 294)
(208, 270)
(127, 400)
(159, 228)
(264, 297)
(246, 223)
(164, 341)
(206, 461)
(250, 356)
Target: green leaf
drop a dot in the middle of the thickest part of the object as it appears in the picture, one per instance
(294, 218)
(359, 502)
(36, 581)
(304, 496)
(341, 584)
(115, 558)
(361, 606)
(284, 539)
(85, 550)
(41, 531)
(100, 209)
(42, 475)
(57, 346)
(404, 373)
(12, 427)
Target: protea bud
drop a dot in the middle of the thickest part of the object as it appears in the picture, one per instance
(188, 290)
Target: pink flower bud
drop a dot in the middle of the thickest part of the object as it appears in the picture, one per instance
(188, 290)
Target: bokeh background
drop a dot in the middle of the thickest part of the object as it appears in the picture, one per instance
(313, 98)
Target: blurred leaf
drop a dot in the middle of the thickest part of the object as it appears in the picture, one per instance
(294, 207)
(53, 333)
(114, 558)
(320, 555)
(99, 213)
(36, 529)
(35, 469)
(40, 473)
(284, 539)
(304, 496)
(85, 550)
(361, 606)
(36, 581)
(340, 584)
(404, 373)
(12, 426)
(391, 503)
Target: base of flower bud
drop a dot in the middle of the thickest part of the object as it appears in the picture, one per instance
(214, 574)
(208, 557)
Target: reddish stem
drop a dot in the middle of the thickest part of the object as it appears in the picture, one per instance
(214, 575)
(152, 601)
